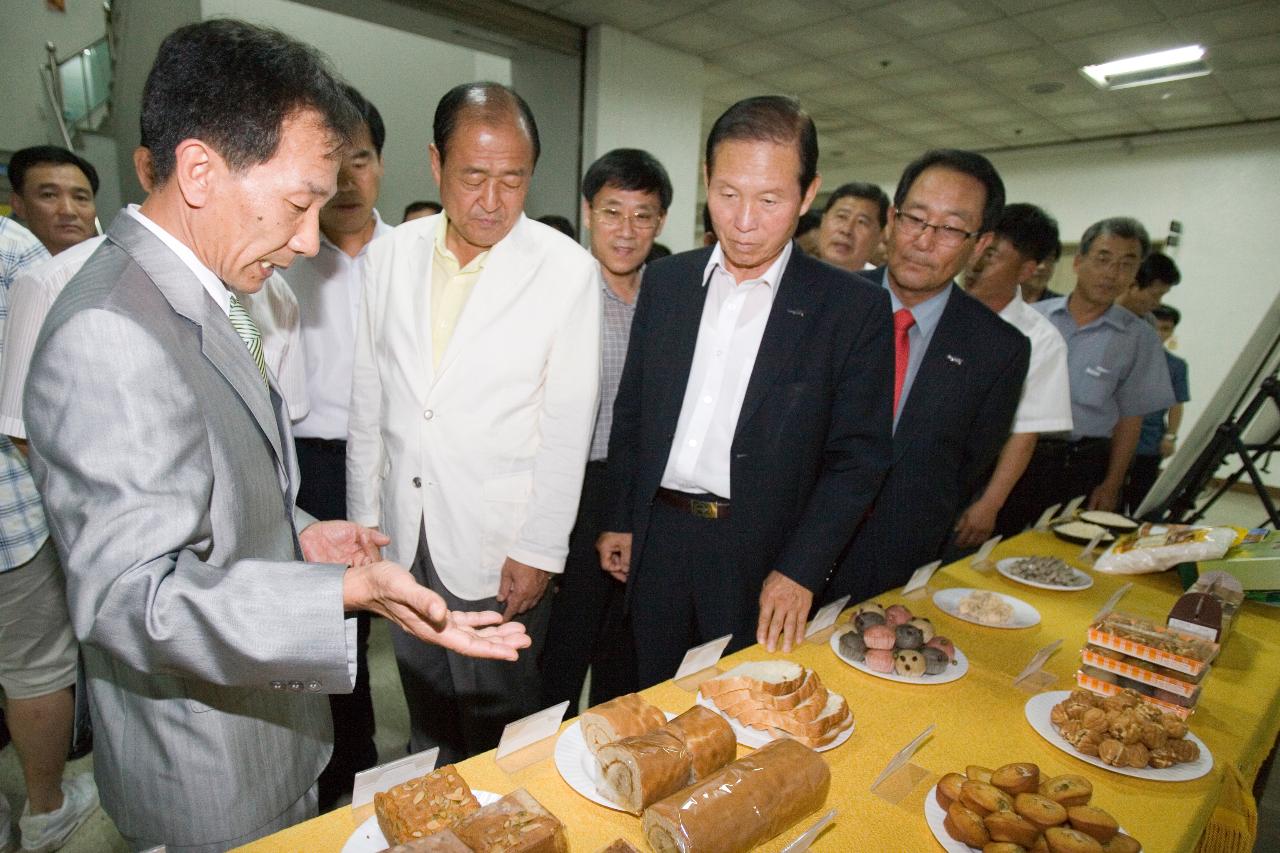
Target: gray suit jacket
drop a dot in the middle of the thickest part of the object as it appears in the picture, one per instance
(168, 476)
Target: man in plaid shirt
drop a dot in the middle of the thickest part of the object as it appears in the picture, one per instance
(37, 649)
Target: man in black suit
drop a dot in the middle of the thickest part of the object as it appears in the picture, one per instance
(752, 422)
(959, 370)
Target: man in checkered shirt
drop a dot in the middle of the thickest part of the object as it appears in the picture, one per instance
(37, 648)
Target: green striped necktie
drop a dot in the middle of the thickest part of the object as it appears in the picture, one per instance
(248, 332)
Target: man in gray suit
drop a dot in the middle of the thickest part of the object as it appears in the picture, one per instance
(211, 628)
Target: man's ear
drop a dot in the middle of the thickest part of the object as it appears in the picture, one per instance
(197, 169)
(18, 205)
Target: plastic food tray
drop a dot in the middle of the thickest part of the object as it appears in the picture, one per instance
(1138, 673)
(1106, 688)
(1099, 636)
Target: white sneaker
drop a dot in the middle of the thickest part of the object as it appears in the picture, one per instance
(44, 833)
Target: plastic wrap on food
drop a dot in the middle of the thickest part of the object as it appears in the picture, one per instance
(625, 716)
(517, 823)
(1141, 638)
(425, 805)
(619, 845)
(708, 737)
(445, 841)
(1157, 547)
(743, 805)
(643, 769)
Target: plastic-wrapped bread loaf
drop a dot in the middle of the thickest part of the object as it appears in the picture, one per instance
(619, 845)
(444, 841)
(643, 769)
(422, 806)
(745, 804)
(517, 823)
(626, 716)
(708, 738)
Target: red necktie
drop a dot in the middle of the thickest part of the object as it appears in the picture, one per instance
(902, 323)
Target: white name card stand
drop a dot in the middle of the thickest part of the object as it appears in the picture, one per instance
(529, 739)
(917, 587)
(1047, 517)
(1033, 678)
(981, 561)
(900, 776)
(699, 663)
(378, 779)
(1087, 557)
(823, 623)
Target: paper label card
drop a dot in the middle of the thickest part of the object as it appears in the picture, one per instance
(1069, 511)
(825, 617)
(804, 842)
(375, 780)
(1047, 516)
(1113, 601)
(702, 657)
(984, 553)
(920, 577)
(1038, 660)
(1087, 553)
(904, 755)
(531, 729)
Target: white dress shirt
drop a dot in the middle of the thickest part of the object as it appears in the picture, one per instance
(327, 287)
(733, 321)
(1046, 394)
(273, 309)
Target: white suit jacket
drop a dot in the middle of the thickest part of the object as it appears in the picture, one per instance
(489, 450)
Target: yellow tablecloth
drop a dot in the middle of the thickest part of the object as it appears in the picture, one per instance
(980, 720)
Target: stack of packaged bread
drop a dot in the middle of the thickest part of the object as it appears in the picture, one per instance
(439, 812)
(682, 777)
(783, 699)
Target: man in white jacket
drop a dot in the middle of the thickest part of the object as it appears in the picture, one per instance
(474, 394)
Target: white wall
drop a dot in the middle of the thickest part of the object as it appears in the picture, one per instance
(642, 95)
(402, 73)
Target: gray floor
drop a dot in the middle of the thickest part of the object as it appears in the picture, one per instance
(100, 836)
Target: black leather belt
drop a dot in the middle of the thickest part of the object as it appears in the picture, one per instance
(328, 445)
(703, 506)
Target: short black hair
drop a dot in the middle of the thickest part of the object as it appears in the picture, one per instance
(1124, 227)
(708, 227)
(969, 163)
(657, 251)
(1157, 266)
(769, 118)
(232, 85)
(1031, 231)
(415, 206)
(39, 155)
(628, 169)
(812, 219)
(369, 113)
(561, 224)
(491, 103)
(1167, 312)
(861, 189)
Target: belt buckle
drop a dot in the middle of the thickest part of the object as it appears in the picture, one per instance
(704, 509)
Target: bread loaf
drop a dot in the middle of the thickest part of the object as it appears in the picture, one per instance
(619, 845)
(743, 805)
(444, 841)
(775, 677)
(626, 716)
(708, 738)
(422, 806)
(643, 769)
(517, 823)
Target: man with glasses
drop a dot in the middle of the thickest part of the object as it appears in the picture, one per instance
(1117, 370)
(958, 372)
(625, 196)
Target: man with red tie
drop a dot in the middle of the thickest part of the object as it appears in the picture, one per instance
(958, 372)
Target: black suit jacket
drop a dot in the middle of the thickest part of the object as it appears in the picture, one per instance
(953, 424)
(814, 435)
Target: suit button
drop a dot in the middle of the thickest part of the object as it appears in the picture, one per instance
(295, 686)
(428, 414)
(417, 482)
(313, 686)
(277, 685)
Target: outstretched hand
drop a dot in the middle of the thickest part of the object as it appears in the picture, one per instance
(342, 542)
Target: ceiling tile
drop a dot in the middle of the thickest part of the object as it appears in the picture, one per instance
(958, 100)
(759, 56)
(1017, 7)
(1196, 87)
(909, 19)
(998, 114)
(1262, 50)
(630, 16)
(848, 92)
(1253, 77)
(889, 114)
(1077, 19)
(1258, 103)
(1026, 133)
(775, 16)
(698, 34)
(924, 82)
(1219, 25)
(884, 60)
(712, 73)
(983, 40)
(1209, 110)
(1102, 123)
(929, 126)
(835, 37)
(1022, 66)
(1119, 44)
(1066, 104)
(1179, 8)
(734, 90)
(803, 78)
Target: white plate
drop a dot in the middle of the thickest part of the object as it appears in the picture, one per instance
(1024, 615)
(951, 673)
(756, 738)
(368, 837)
(579, 768)
(1005, 567)
(934, 815)
(1038, 708)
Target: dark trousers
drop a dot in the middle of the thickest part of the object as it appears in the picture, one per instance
(323, 493)
(1059, 471)
(687, 591)
(1143, 473)
(587, 627)
(457, 703)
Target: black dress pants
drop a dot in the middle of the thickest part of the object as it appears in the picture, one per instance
(323, 493)
(1059, 471)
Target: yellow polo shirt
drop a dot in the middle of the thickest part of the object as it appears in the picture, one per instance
(451, 285)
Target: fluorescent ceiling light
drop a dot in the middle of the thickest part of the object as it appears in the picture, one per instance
(1176, 64)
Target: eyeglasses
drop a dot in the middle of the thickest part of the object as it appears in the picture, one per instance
(1104, 260)
(641, 220)
(914, 226)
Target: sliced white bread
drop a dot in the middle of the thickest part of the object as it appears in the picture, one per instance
(830, 737)
(811, 685)
(747, 709)
(775, 677)
(834, 714)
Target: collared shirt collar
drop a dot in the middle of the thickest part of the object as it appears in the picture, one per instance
(379, 228)
(772, 276)
(442, 248)
(212, 284)
(608, 291)
(1115, 316)
(927, 313)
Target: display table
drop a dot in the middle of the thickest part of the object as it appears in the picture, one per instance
(980, 720)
